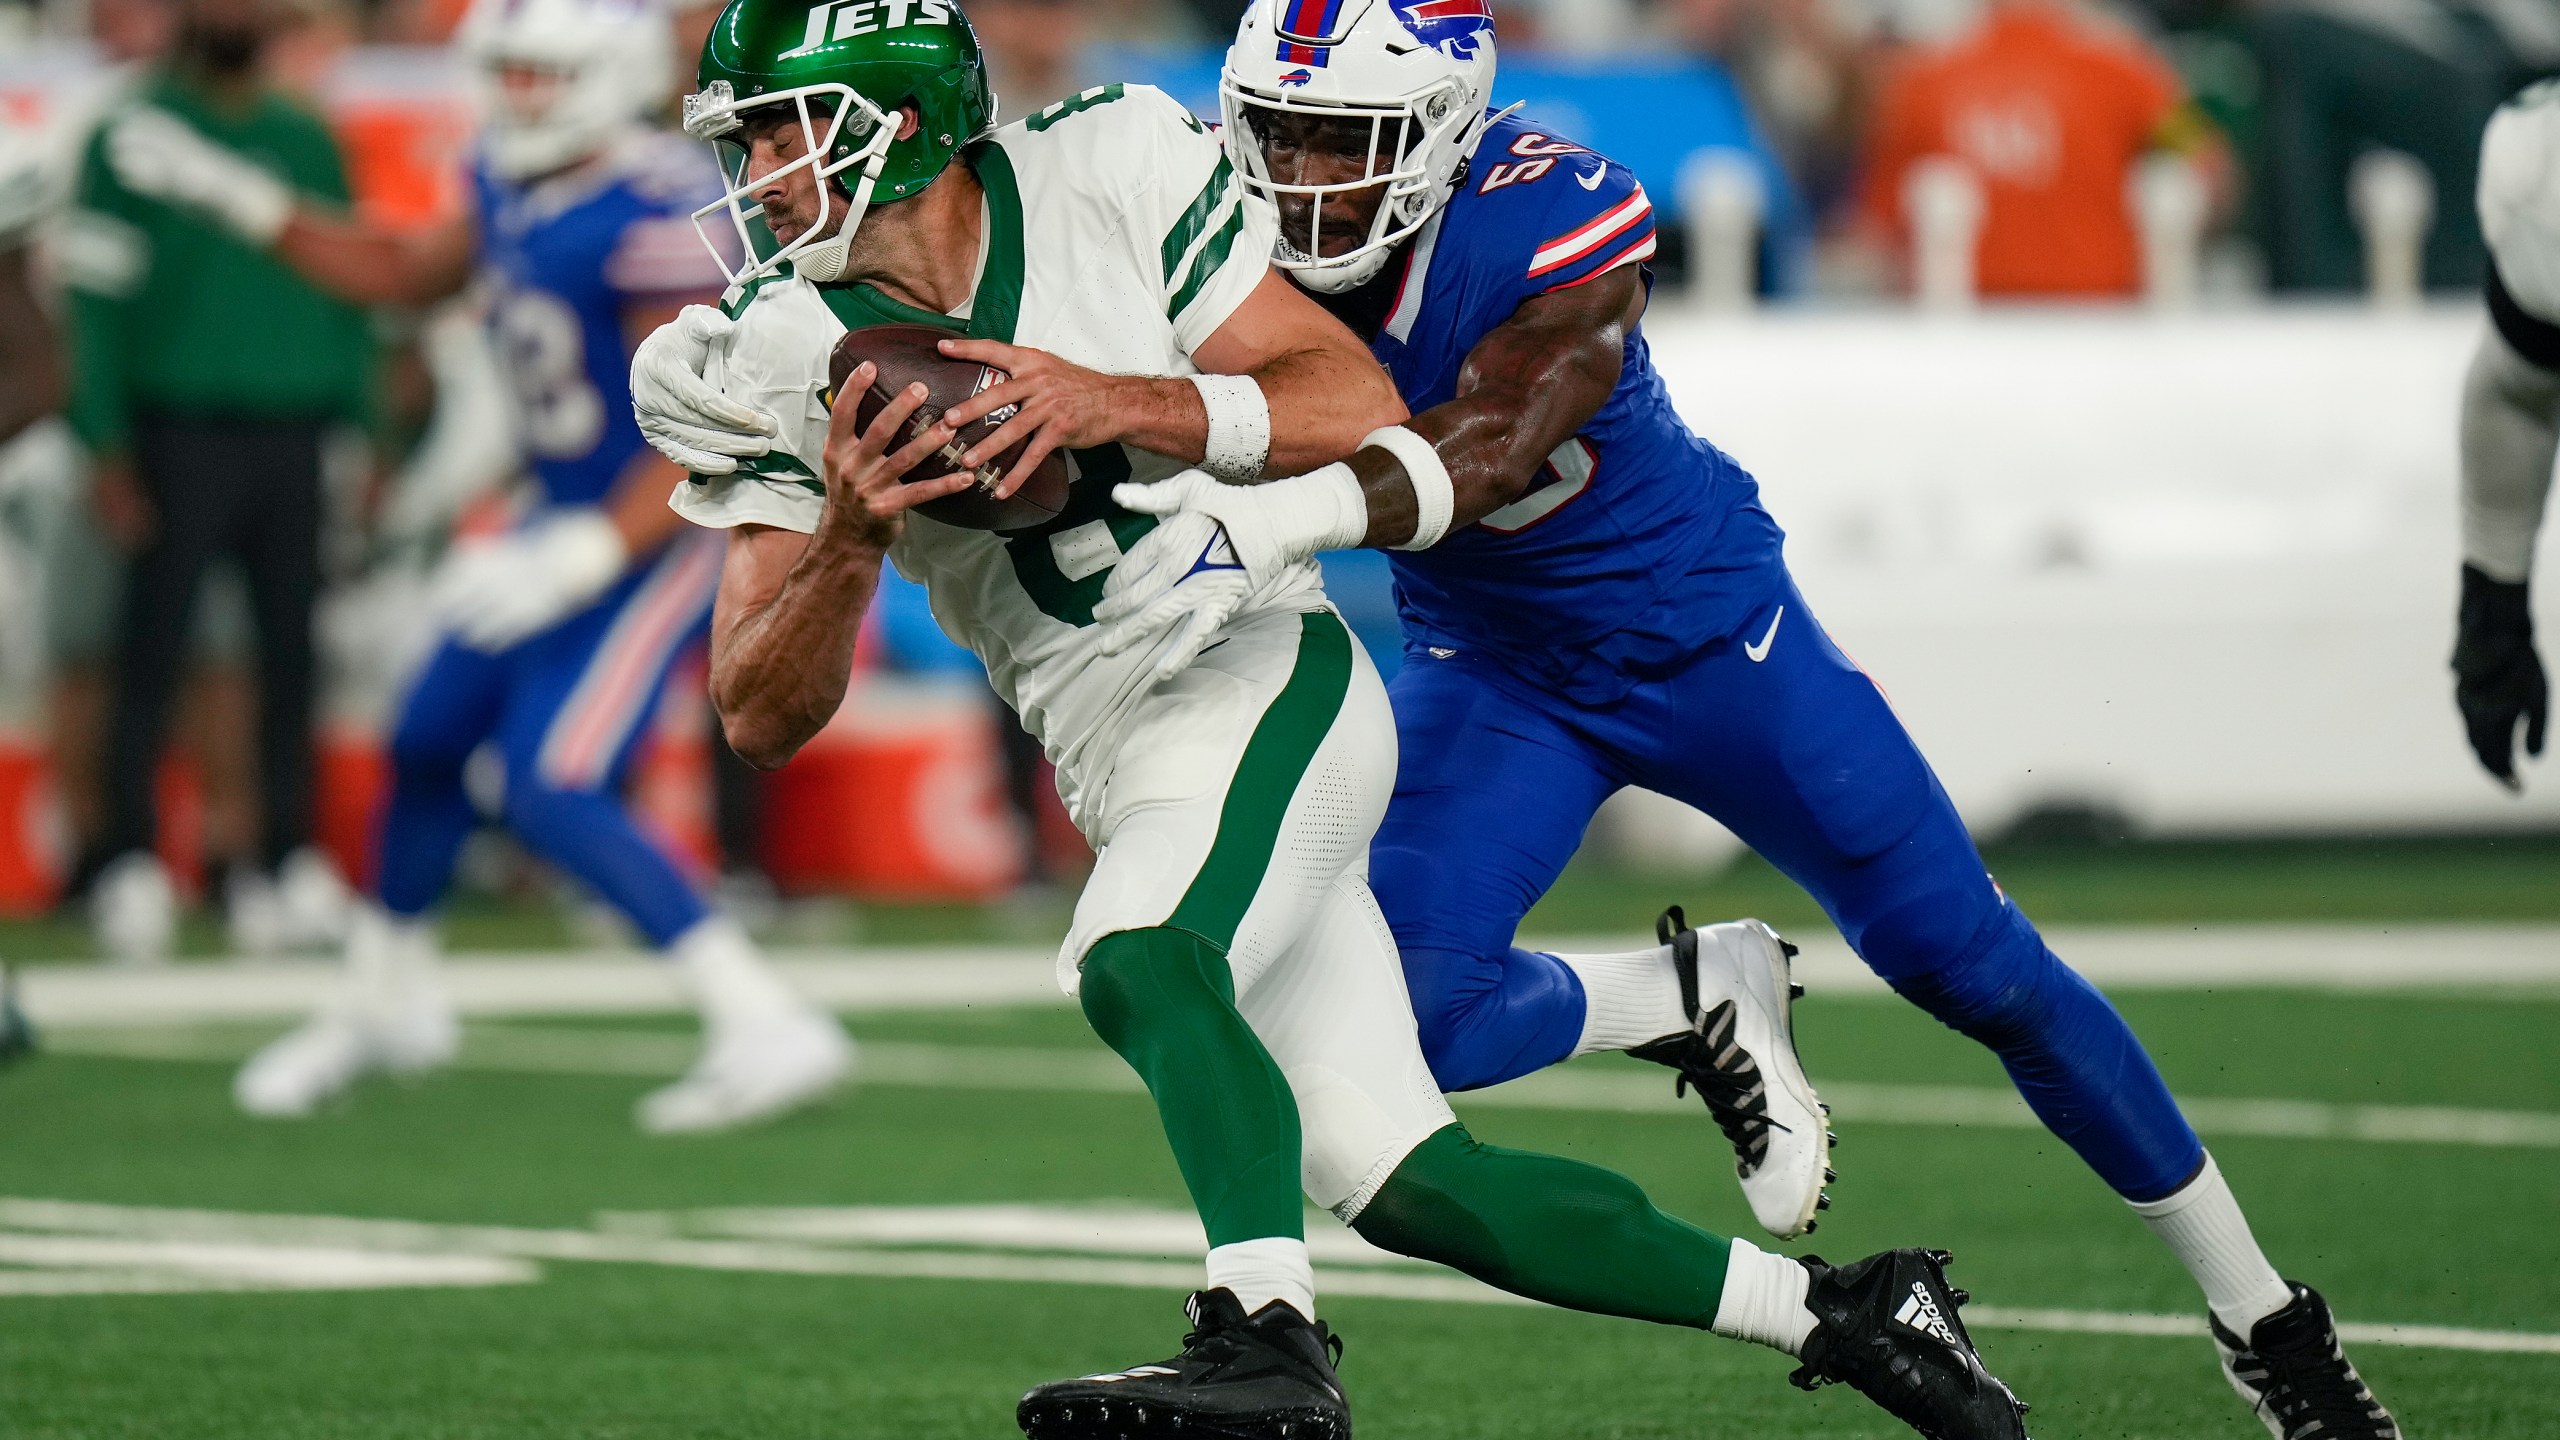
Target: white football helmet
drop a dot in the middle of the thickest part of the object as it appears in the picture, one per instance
(609, 63)
(1419, 71)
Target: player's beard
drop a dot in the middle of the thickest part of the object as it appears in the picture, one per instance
(225, 52)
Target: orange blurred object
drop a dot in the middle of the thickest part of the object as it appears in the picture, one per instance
(2049, 110)
(30, 825)
(898, 798)
(404, 157)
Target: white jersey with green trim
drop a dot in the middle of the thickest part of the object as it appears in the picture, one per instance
(1115, 237)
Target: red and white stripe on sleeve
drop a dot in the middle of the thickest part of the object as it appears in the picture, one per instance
(1621, 235)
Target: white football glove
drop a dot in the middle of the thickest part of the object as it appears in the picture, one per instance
(1188, 587)
(155, 154)
(684, 415)
(492, 594)
(1272, 526)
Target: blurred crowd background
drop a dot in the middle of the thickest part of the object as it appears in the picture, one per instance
(2146, 300)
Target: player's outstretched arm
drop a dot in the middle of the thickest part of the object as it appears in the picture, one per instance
(791, 605)
(153, 153)
(1318, 383)
(2510, 432)
(1528, 386)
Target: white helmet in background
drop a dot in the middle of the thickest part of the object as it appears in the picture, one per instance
(1419, 71)
(595, 67)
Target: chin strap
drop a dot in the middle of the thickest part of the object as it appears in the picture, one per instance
(1350, 275)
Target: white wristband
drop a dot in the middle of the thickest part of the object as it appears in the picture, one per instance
(1434, 503)
(1239, 426)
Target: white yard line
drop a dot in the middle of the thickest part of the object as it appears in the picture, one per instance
(2353, 957)
(564, 1050)
(130, 1246)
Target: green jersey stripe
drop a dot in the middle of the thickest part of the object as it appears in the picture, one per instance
(997, 305)
(1212, 258)
(1186, 231)
(1284, 744)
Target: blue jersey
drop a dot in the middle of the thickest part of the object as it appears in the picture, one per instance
(564, 259)
(1638, 543)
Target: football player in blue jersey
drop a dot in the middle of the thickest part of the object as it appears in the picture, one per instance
(1594, 597)
(558, 636)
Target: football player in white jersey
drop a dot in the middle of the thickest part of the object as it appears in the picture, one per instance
(2510, 430)
(1229, 766)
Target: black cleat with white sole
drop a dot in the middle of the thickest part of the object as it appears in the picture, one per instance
(1267, 1376)
(2297, 1378)
(1887, 1327)
(1739, 1055)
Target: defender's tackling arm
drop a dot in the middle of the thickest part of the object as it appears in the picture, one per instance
(1528, 386)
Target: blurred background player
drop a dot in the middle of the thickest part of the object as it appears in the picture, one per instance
(2049, 105)
(1594, 599)
(559, 635)
(30, 369)
(2510, 431)
(207, 376)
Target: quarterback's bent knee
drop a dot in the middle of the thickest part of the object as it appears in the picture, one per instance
(1123, 968)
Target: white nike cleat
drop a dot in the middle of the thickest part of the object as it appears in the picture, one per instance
(1740, 1056)
(753, 1070)
(389, 1016)
(134, 910)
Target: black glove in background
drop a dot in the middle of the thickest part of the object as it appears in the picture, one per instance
(2498, 679)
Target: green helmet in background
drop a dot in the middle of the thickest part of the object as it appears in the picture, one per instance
(847, 66)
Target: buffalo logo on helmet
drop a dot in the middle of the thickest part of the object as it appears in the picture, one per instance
(1299, 76)
(1455, 28)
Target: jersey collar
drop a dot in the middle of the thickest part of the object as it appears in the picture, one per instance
(995, 308)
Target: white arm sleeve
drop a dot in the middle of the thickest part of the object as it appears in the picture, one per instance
(2510, 434)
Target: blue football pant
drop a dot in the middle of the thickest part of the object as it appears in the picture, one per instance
(564, 710)
(1799, 754)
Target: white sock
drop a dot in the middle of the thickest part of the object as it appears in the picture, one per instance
(1629, 999)
(1763, 1299)
(1261, 1271)
(2202, 1225)
(729, 979)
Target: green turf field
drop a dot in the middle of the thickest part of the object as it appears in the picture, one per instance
(655, 1342)
(2464, 878)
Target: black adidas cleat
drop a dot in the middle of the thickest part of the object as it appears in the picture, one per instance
(1265, 1377)
(1739, 1055)
(1887, 1328)
(2297, 1377)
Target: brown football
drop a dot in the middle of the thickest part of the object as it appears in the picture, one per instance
(907, 354)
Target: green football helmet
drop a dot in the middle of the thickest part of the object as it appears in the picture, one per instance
(846, 66)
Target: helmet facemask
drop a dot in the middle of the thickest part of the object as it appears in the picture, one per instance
(1414, 147)
(842, 132)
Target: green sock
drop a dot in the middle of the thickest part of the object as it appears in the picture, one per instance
(1165, 1000)
(1551, 1229)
